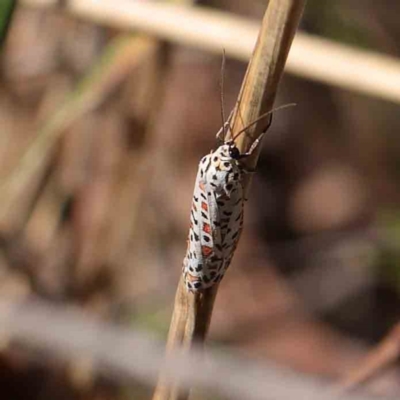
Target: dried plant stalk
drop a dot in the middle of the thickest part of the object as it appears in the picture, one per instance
(312, 57)
(192, 311)
(118, 60)
(379, 358)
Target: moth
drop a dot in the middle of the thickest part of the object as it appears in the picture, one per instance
(216, 216)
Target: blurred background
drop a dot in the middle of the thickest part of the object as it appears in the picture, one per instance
(101, 134)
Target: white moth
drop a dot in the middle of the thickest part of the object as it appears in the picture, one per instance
(216, 219)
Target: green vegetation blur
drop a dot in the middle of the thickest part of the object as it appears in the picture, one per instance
(6, 12)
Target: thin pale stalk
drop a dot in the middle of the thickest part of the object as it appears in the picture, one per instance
(312, 57)
(263, 74)
(379, 358)
(192, 311)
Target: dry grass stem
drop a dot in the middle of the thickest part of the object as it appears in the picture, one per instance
(133, 353)
(385, 354)
(311, 57)
(192, 311)
(118, 60)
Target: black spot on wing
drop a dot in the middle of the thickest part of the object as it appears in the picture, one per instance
(197, 284)
(235, 235)
(194, 218)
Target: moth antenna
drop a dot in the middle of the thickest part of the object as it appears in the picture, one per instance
(221, 83)
(262, 117)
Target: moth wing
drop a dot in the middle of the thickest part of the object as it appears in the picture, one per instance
(204, 253)
(194, 256)
(231, 217)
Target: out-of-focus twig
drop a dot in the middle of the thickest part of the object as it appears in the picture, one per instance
(379, 358)
(123, 353)
(311, 57)
(118, 59)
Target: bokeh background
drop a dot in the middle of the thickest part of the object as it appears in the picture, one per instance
(115, 123)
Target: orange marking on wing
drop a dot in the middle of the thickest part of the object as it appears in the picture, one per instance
(204, 206)
(207, 228)
(202, 187)
(206, 250)
(191, 278)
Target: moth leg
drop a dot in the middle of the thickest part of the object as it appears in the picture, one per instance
(248, 170)
(257, 141)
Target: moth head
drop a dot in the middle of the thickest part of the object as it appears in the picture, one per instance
(228, 152)
(233, 151)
